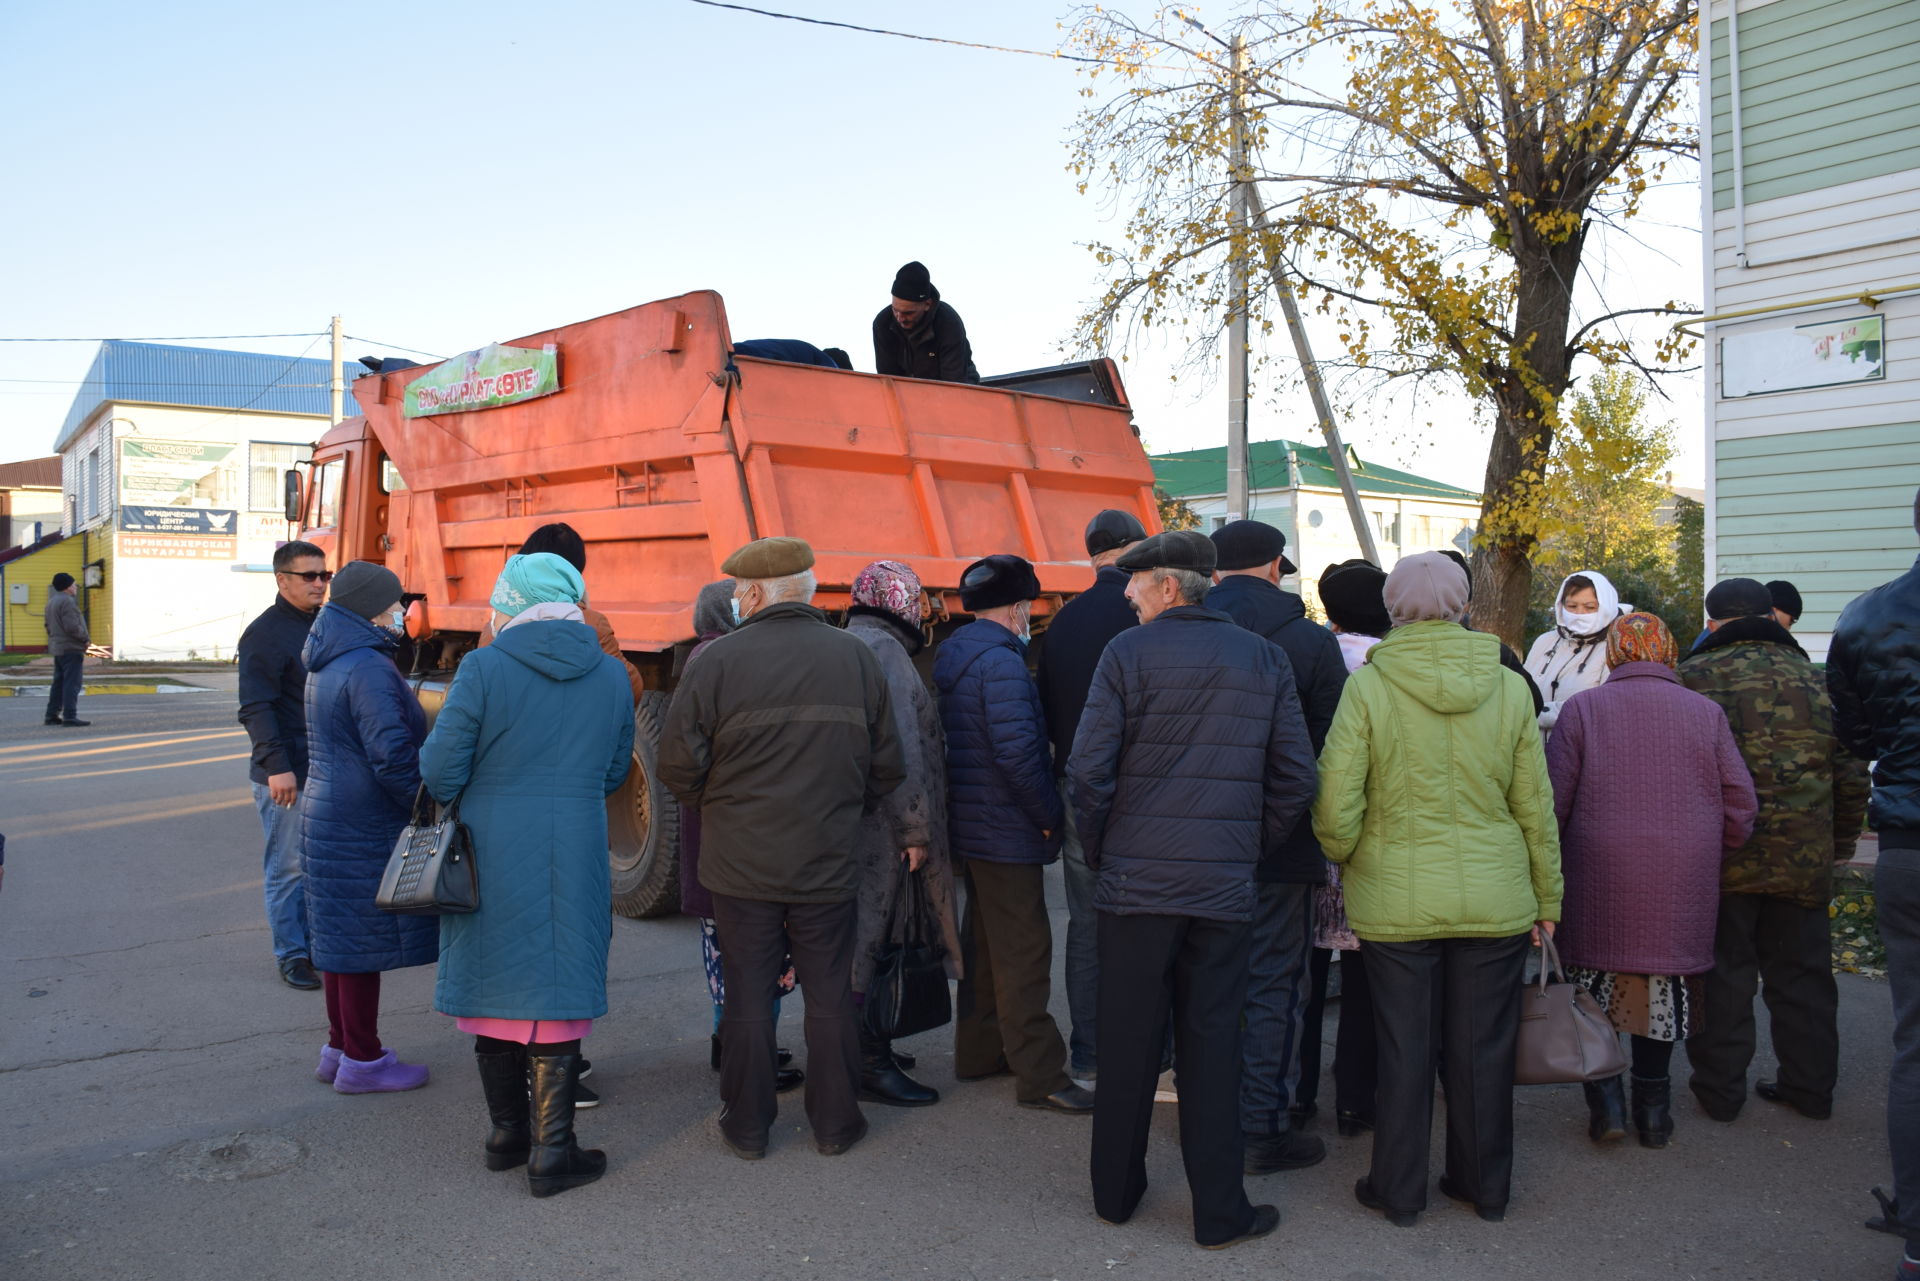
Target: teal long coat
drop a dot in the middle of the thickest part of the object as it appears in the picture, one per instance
(536, 731)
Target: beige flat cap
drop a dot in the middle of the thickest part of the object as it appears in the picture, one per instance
(769, 558)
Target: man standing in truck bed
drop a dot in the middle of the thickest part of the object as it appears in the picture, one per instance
(918, 336)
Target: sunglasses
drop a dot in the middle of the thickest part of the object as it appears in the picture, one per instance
(310, 575)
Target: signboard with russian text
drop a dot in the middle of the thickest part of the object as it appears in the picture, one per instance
(1830, 353)
(175, 547)
(484, 379)
(178, 520)
(173, 473)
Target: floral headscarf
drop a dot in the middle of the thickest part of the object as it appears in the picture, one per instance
(1641, 638)
(891, 587)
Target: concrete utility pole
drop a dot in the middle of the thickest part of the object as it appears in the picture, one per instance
(1237, 497)
(1317, 391)
(339, 376)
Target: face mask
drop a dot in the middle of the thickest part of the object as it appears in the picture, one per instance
(734, 603)
(1584, 624)
(1025, 633)
(397, 622)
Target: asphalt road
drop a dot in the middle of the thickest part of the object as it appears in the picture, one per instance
(159, 1119)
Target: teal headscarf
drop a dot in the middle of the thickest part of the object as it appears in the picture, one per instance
(539, 579)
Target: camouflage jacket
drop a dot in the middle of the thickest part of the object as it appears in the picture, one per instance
(1812, 791)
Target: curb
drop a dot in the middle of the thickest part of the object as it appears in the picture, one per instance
(21, 691)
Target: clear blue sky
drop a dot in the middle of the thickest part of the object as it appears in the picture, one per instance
(445, 176)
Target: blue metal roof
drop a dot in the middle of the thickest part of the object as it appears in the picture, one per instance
(201, 378)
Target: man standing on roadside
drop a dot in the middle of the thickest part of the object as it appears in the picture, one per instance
(1252, 560)
(1775, 889)
(68, 642)
(1873, 673)
(1069, 651)
(1003, 819)
(1192, 758)
(273, 685)
(783, 736)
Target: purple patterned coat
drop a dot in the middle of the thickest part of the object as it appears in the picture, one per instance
(1652, 795)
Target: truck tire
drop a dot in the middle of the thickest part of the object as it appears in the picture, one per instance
(643, 824)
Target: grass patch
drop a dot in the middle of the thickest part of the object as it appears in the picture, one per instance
(1856, 929)
(18, 660)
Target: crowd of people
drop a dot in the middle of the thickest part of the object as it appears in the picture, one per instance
(1245, 798)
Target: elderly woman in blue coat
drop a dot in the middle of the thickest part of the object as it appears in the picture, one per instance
(364, 729)
(536, 731)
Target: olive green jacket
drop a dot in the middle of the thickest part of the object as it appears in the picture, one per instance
(1434, 794)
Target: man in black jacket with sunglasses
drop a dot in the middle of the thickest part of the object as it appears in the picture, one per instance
(273, 692)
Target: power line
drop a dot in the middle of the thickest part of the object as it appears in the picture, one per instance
(902, 35)
(394, 347)
(171, 338)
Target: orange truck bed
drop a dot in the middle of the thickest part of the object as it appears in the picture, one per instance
(666, 455)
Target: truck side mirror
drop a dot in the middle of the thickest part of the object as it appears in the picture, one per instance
(290, 483)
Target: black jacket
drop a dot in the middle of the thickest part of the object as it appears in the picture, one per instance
(1873, 673)
(783, 736)
(935, 348)
(1070, 648)
(1319, 673)
(1192, 761)
(273, 691)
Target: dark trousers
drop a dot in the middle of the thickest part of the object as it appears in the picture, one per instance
(1006, 944)
(63, 697)
(1356, 1050)
(1279, 959)
(1198, 970)
(1896, 893)
(353, 1014)
(756, 937)
(1464, 995)
(1787, 951)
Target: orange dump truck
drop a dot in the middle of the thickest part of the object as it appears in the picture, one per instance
(666, 451)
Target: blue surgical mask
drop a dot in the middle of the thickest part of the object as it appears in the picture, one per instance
(733, 603)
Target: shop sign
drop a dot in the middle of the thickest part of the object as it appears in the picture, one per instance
(175, 547)
(172, 473)
(179, 520)
(484, 379)
(1831, 353)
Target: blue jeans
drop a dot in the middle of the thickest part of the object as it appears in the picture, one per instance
(1896, 893)
(1277, 994)
(286, 890)
(1083, 950)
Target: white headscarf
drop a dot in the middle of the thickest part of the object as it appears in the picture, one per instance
(1580, 627)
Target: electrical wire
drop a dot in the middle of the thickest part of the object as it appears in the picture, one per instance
(903, 35)
(172, 338)
(392, 346)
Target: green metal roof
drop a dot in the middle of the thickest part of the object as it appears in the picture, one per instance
(1199, 473)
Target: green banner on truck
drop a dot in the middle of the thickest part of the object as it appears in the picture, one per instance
(485, 379)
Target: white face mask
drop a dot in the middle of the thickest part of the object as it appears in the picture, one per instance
(1584, 624)
(396, 622)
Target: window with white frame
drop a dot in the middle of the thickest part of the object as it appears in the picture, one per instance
(90, 485)
(268, 462)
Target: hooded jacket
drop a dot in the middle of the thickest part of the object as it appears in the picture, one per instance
(1434, 793)
(1652, 795)
(364, 729)
(783, 735)
(1192, 761)
(1873, 674)
(1002, 805)
(536, 731)
(936, 348)
(1070, 649)
(1812, 792)
(1563, 662)
(1319, 674)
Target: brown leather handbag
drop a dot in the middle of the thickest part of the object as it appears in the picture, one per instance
(1564, 1034)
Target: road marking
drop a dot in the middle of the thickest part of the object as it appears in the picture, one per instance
(67, 754)
(146, 816)
(130, 769)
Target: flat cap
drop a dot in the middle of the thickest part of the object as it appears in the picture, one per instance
(1249, 544)
(993, 581)
(1113, 528)
(1739, 598)
(1187, 549)
(769, 558)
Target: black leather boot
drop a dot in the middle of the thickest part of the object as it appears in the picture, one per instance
(503, 1079)
(1606, 1108)
(1653, 1110)
(556, 1161)
(882, 1081)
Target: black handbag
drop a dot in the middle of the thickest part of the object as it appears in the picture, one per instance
(908, 993)
(1564, 1034)
(431, 871)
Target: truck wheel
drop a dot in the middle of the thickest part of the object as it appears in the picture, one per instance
(643, 824)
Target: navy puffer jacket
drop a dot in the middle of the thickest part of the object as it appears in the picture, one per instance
(1873, 674)
(1000, 792)
(364, 730)
(1192, 761)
